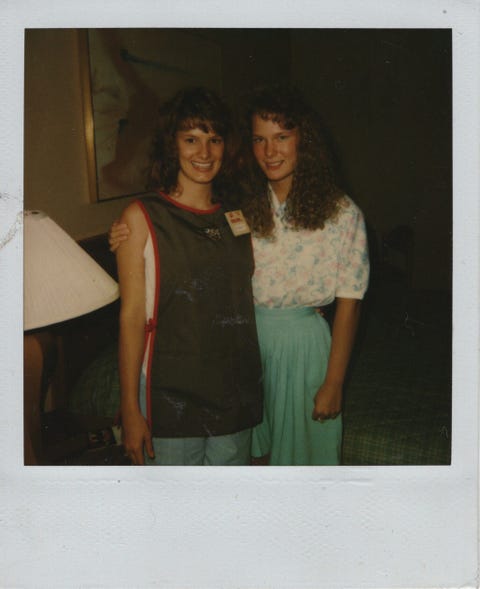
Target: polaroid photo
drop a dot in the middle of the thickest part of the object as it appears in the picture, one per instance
(396, 88)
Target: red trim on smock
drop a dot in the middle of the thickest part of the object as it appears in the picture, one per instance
(187, 208)
(151, 324)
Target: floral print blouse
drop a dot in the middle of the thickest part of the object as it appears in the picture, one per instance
(310, 268)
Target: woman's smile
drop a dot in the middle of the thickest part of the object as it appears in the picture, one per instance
(203, 167)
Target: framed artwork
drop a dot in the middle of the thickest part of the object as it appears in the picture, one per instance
(126, 74)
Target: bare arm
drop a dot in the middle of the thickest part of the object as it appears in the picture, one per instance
(131, 273)
(328, 400)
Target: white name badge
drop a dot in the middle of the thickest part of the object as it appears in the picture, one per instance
(237, 223)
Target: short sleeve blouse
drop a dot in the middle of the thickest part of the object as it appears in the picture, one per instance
(310, 268)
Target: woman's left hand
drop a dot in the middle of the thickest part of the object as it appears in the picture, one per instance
(327, 402)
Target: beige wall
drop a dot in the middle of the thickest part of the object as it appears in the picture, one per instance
(56, 179)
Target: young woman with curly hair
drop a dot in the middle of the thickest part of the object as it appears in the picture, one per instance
(310, 249)
(190, 372)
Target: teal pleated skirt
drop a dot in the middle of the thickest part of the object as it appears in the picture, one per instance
(295, 347)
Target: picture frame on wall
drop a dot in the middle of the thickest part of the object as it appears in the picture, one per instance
(126, 75)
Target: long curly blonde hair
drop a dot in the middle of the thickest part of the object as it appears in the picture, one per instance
(315, 195)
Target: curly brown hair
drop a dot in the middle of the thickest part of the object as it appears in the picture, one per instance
(190, 108)
(314, 196)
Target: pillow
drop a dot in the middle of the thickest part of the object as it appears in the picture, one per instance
(97, 391)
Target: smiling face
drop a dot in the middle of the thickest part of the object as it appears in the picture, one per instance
(276, 150)
(200, 154)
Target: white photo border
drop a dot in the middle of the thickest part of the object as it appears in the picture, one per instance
(264, 527)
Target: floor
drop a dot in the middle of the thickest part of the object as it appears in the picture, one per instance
(77, 440)
(398, 401)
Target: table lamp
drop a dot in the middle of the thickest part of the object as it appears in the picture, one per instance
(61, 282)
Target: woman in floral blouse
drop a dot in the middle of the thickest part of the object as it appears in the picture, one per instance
(310, 249)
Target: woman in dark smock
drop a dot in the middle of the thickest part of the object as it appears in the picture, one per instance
(189, 360)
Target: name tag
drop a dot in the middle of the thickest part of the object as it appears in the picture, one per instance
(237, 223)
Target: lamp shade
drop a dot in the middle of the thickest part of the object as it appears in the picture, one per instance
(61, 281)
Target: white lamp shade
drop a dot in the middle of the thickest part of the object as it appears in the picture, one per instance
(61, 281)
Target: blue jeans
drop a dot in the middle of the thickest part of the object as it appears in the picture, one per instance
(229, 450)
